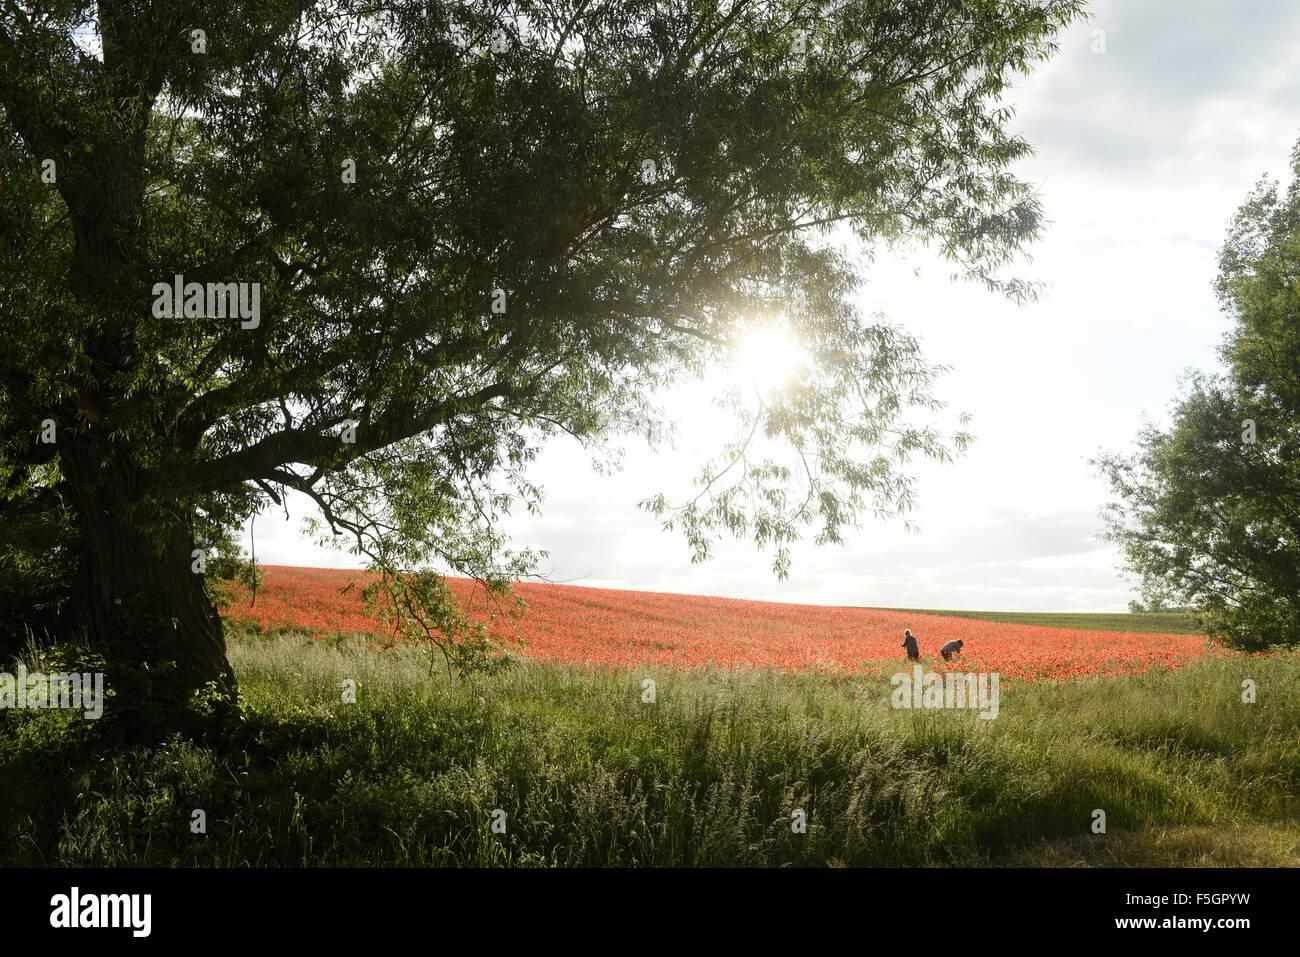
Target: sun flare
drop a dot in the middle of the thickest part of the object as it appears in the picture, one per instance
(768, 358)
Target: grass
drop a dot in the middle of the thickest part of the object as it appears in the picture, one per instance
(711, 773)
(1153, 623)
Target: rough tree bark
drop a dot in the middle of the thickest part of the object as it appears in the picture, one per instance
(147, 607)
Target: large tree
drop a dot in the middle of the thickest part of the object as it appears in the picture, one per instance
(471, 226)
(1207, 511)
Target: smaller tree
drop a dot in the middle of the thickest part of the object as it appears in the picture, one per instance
(1208, 512)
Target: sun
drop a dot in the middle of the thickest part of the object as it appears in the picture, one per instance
(768, 358)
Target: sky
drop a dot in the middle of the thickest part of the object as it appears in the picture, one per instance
(1148, 137)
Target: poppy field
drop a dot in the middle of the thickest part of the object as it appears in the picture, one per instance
(353, 749)
(617, 629)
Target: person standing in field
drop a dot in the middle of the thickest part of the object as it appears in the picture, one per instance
(909, 642)
(950, 649)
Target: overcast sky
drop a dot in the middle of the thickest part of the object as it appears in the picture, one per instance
(1144, 151)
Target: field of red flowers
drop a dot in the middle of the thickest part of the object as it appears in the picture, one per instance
(617, 629)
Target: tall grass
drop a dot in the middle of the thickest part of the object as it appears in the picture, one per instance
(711, 773)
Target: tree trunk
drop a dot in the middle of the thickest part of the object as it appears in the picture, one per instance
(149, 613)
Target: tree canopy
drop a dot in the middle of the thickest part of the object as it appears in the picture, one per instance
(449, 231)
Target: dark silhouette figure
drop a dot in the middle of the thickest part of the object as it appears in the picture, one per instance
(909, 642)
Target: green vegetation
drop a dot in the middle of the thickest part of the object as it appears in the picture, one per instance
(1152, 623)
(709, 774)
(1207, 512)
(459, 233)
